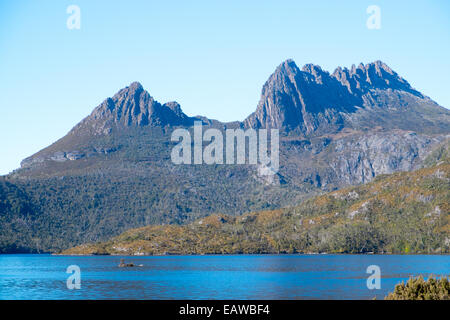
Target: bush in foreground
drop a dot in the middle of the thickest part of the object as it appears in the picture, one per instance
(419, 289)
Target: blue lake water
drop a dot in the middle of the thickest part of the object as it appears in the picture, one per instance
(211, 277)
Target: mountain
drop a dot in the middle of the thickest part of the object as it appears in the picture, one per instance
(313, 101)
(113, 170)
(131, 106)
(406, 212)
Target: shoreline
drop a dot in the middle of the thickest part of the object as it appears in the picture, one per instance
(232, 254)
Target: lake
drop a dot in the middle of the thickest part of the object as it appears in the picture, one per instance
(211, 277)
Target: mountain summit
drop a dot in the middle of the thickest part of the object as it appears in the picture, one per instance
(303, 102)
(132, 106)
(292, 98)
(312, 100)
(375, 75)
(306, 101)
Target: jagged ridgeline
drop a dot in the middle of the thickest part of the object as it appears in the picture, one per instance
(113, 170)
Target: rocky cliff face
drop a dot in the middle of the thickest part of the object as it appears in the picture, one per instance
(332, 163)
(376, 75)
(132, 106)
(313, 101)
(300, 99)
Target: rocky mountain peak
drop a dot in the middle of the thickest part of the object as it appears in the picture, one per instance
(311, 98)
(283, 76)
(292, 98)
(132, 106)
(135, 86)
(175, 107)
(279, 105)
(313, 69)
(287, 67)
(372, 76)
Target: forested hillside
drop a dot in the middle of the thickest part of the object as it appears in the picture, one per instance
(407, 212)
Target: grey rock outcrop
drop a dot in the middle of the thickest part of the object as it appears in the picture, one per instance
(313, 101)
(132, 106)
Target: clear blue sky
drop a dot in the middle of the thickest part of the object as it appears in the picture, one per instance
(212, 57)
